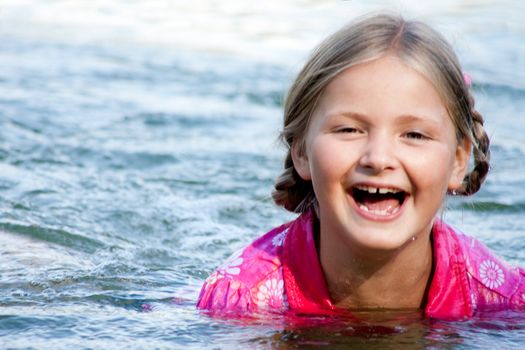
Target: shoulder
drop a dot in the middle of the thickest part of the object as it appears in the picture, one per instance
(492, 280)
(249, 279)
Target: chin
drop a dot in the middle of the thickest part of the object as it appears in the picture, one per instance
(381, 240)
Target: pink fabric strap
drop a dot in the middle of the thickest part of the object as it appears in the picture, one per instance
(304, 281)
(448, 296)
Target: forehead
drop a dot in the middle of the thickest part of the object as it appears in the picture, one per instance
(382, 87)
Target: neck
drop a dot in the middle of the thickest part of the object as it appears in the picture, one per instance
(384, 280)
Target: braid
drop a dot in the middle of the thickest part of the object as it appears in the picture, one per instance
(481, 153)
(291, 191)
(283, 184)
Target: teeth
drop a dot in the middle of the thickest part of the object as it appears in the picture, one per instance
(384, 212)
(372, 190)
(368, 189)
(364, 207)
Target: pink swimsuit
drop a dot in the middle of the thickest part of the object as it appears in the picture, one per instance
(281, 271)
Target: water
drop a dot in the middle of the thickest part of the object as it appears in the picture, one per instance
(138, 150)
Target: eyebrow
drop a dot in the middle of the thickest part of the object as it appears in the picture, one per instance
(403, 118)
(353, 115)
(407, 118)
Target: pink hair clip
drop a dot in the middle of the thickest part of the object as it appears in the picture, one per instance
(468, 79)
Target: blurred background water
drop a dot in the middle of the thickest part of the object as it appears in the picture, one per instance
(138, 150)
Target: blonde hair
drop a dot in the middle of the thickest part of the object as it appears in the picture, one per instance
(418, 46)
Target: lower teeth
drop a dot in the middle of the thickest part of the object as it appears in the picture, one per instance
(384, 212)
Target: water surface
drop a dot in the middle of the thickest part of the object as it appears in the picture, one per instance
(138, 150)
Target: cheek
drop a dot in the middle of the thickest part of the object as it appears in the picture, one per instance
(330, 161)
(432, 169)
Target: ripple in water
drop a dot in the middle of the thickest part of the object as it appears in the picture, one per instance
(137, 153)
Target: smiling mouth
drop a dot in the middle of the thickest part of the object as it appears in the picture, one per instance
(378, 201)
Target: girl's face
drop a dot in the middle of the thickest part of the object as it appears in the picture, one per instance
(381, 152)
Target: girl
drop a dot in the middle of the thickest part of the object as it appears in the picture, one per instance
(380, 126)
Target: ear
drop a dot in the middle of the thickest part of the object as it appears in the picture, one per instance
(461, 162)
(300, 161)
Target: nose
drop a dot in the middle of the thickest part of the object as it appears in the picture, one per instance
(379, 154)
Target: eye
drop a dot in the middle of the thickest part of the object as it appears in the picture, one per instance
(415, 135)
(347, 130)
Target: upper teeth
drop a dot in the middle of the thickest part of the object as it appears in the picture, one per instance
(381, 190)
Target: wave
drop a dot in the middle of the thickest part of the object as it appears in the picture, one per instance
(492, 206)
(57, 236)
